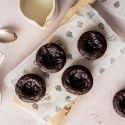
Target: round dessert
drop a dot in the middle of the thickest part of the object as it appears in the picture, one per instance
(30, 88)
(77, 80)
(51, 58)
(119, 103)
(92, 45)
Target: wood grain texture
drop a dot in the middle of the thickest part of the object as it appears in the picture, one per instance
(74, 9)
(59, 118)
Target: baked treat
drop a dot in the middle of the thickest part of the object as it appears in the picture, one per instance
(92, 45)
(51, 58)
(30, 88)
(77, 80)
(119, 103)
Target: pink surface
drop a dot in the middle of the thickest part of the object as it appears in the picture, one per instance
(29, 37)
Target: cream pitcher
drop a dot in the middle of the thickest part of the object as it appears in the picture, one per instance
(39, 12)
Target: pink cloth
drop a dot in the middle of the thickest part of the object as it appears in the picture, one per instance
(29, 37)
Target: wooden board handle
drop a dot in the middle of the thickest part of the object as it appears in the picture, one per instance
(74, 9)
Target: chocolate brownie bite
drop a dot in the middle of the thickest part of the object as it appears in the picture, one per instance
(77, 80)
(30, 88)
(92, 45)
(119, 103)
(51, 58)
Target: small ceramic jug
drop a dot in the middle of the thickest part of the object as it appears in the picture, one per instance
(39, 12)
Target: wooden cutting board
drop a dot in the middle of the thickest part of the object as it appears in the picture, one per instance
(74, 9)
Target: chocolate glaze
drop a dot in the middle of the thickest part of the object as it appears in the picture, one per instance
(119, 103)
(92, 45)
(51, 57)
(77, 80)
(30, 88)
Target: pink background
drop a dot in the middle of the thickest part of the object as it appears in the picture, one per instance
(29, 37)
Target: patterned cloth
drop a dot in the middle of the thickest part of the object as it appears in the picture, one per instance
(115, 7)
